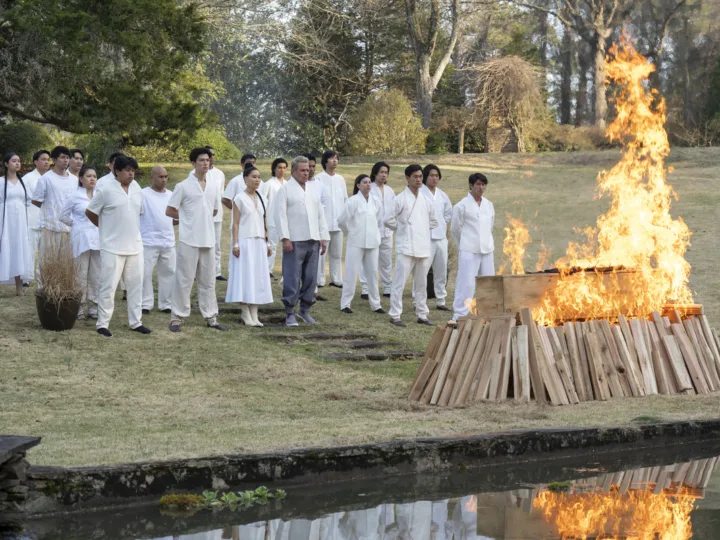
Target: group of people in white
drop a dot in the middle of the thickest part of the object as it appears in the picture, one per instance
(120, 233)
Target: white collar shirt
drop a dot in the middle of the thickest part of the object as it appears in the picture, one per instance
(385, 198)
(118, 217)
(337, 194)
(360, 221)
(252, 216)
(299, 214)
(156, 227)
(195, 207)
(84, 234)
(105, 179)
(53, 191)
(31, 180)
(217, 177)
(235, 186)
(472, 225)
(443, 211)
(412, 218)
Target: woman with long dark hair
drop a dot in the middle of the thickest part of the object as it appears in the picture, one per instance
(15, 257)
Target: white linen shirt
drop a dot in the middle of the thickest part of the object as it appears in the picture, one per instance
(360, 220)
(119, 217)
(299, 214)
(412, 218)
(105, 179)
(336, 193)
(472, 225)
(156, 227)
(385, 199)
(84, 235)
(218, 177)
(196, 211)
(234, 188)
(252, 218)
(31, 180)
(443, 211)
(53, 191)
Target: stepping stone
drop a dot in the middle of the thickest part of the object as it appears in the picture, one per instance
(376, 356)
(359, 344)
(322, 336)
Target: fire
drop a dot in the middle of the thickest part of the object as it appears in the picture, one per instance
(637, 232)
(517, 237)
(637, 514)
(543, 257)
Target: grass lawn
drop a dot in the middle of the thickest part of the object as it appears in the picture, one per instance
(202, 392)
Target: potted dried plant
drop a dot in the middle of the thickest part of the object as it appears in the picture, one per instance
(59, 296)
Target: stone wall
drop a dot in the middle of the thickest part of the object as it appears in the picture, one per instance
(13, 487)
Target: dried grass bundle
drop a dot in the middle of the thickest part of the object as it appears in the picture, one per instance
(57, 273)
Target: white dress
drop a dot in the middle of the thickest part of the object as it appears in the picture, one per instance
(248, 276)
(15, 255)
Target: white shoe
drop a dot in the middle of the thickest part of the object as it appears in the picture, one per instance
(245, 316)
(254, 315)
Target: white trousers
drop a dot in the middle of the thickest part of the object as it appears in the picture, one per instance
(194, 264)
(438, 262)
(384, 265)
(87, 266)
(470, 266)
(218, 251)
(404, 266)
(355, 259)
(334, 254)
(115, 267)
(164, 258)
(34, 239)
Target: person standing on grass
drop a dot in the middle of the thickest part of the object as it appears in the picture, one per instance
(41, 160)
(85, 241)
(438, 259)
(472, 225)
(110, 175)
(312, 163)
(412, 216)
(194, 202)
(385, 197)
(15, 257)
(77, 160)
(237, 184)
(360, 221)
(116, 210)
(302, 229)
(269, 191)
(216, 176)
(158, 237)
(248, 278)
(336, 192)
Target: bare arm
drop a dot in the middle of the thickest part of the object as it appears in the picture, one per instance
(227, 203)
(91, 216)
(172, 212)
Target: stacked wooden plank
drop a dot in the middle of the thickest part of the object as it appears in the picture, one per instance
(507, 355)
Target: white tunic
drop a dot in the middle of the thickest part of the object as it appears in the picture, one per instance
(156, 228)
(119, 217)
(53, 191)
(15, 256)
(104, 180)
(252, 218)
(218, 177)
(412, 218)
(234, 187)
(443, 210)
(196, 211)
(337, 194)
(31, 180)
(299, 215)
(360, 220)
(472, 225)
(385, 199)
(84, 236)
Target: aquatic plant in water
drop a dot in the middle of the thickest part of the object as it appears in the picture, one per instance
(215, 500)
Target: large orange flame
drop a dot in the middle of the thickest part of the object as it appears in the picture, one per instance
(637, 232)
(517, 238)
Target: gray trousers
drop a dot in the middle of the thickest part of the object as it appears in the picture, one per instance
(299, 270)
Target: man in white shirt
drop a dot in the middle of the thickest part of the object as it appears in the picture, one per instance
(41, 160)
(116, 210)
(236, 185)
(312, 163)
(439, 244)
(77, 160)
(194, 202)
(336, 193)
(158, 238)
(109, 176)
(302, 229)
(51, 192)
(472, 225)
(218, 177)
(412, 217)
(269, 191)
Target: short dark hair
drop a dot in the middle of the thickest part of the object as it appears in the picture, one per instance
(210, 149)
(359, 178)
(327, 154)
(122, 162)
(39, 153)
(246, 157)
(59, 151)
(275, 163)
(310, 156)
(428, 169)
(412, 168)
(114, 156)
(477, 177)
(376, 169)
(195, 153)
(76, 151)
(83, 170)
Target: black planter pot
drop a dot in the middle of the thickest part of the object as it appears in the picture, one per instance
(57, 317)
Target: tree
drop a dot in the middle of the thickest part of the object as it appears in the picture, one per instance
(117, 66)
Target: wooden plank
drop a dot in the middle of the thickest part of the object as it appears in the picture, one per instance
(617, 364)
(607, 364)
(704, 478)
(445, 366)
(506, 361)
(478, 328)
(691, 361)
(634, 377)
(495, 385)
(699, 353)
(584, 365)
(681, 470)
(663, 373)
(481, 383)
(563, 365)
(536, 379)
(553, 368)
(644, 358)
(600, 383)
(684, 309)
(629, 339)
(574, 354)
(430, 352)
(627, 479)
(456, 361)
(427, 369)
(682, 376)
(460, 396)
(523, 362)
(707, 332)
(489, 295)
(707, 352)
(514, 354)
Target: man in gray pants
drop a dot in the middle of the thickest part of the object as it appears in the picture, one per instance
(302, 229)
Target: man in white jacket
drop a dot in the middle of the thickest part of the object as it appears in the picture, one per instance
(216, 176)
(41, 160)
(412, 217)
(336, 191)
(471, 228)
(268, 191)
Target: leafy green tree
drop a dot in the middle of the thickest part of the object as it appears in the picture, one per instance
(24, 138)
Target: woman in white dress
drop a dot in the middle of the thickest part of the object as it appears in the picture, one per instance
(249, 280)
(85, 240)
(385, 196)
(15, 256)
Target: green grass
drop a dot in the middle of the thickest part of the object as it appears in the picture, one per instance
(198, 393)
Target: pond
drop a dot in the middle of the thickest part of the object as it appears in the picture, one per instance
(669, 492)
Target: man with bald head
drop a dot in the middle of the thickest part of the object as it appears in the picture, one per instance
(158, 241)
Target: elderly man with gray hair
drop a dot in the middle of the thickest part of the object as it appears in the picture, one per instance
(303, 231)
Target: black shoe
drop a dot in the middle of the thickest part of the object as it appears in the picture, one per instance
(346, 310)
(175, 327)
(26, 284)
(124, 295)
(380, 310)
(104, 332)
(443, 308)
(142, 330)
(320, 298)
(364, 297)
(146, 311)
(220, 278)
(335, 285)
(217, 326)
(397, 322)
(168, 310)
(386, 295)
(425, 322)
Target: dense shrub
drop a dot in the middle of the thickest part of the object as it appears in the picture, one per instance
(552, 137)
(25, 139)
(438, 142)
